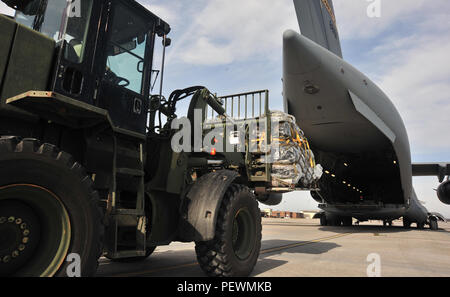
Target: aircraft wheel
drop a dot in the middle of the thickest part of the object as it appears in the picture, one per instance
(323, 220)
(406, 223)
(434, 224)
(420, 226)
(235, 248)
(347, 221)
(334, 221)
(48, 211)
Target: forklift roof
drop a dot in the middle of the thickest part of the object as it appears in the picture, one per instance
(162, 28)
(31, 7)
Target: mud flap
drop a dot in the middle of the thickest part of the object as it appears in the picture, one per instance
(202, 205)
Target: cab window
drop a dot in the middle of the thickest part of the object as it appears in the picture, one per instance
(77, 30)
(60, 20)
(126, 49)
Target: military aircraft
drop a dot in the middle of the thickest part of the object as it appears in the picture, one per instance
(355, 131)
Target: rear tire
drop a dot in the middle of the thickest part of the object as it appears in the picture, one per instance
(235, 248)
(50, 207)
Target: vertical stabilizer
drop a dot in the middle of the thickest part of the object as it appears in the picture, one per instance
(317, 21)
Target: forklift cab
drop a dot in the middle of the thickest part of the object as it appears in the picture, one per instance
(104, 53)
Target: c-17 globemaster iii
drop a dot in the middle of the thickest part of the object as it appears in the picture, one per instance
(355, 131)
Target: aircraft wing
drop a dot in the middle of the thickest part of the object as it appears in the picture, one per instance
(317, 21)
(441, 170)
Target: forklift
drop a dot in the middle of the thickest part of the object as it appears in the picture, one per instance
(86, 164)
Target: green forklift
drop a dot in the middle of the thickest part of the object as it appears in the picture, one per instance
(87, 165)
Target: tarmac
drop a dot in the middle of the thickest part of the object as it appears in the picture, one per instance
(303, 248)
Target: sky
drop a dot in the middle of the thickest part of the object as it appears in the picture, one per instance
(234, 46)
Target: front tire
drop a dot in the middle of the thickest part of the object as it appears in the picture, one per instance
(235, 248)
(51, 211)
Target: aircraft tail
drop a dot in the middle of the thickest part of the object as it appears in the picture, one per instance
(317, 21)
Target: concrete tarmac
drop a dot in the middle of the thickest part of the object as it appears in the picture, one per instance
(301, 247)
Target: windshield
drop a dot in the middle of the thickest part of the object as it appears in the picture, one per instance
(126, 49)
(45, 16)
(60, 20)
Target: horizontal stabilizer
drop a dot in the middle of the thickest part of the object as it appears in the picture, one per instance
(317, 21)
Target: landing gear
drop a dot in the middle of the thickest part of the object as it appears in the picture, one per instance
(421, 225)
(433, 223)
(347, 221)
(406, 223)
(235, 248)
(334, 221)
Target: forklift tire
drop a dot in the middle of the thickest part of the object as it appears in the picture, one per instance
(50, 222)
(235, 248)
(148, 253)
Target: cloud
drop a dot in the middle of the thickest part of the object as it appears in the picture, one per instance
(420, 87)
(229, 31)
(354, 23)
(414, 71)
(5, 9)
(165, 12)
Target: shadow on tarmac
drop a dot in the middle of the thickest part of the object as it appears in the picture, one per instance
(276, 247)
(179, 263)
(375, 229)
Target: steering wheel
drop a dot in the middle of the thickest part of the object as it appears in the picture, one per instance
(122, 79)
(116, 80)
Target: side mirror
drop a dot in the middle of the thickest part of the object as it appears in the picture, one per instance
(167, 42)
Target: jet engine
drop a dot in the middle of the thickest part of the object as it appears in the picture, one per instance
(443, 192)
(271, 199)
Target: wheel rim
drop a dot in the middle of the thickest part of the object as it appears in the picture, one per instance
(243, 235)
(35, 231)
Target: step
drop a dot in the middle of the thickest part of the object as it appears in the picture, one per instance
(127, 254)
(128, 212)
(130, 171)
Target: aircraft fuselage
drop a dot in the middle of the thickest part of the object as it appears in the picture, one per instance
(356, 132)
